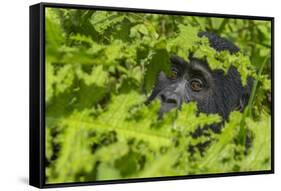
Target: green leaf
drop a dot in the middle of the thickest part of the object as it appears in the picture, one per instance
(159, 62)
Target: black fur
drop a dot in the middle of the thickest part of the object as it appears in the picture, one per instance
(219, 43)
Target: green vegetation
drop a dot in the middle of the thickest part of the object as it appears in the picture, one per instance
(101, 66)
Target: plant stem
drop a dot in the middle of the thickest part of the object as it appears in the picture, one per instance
(248, 110)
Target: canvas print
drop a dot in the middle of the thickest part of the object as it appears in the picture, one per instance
(131, 95)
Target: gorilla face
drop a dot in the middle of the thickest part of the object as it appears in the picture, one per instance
(188, 82)
(213, 90)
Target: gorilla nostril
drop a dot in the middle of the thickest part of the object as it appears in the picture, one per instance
(168, 99)
(173, 101)
(162, 97)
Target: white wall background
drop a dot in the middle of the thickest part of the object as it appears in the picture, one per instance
(14, 88)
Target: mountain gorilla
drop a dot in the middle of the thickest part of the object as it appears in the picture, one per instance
(214, 91)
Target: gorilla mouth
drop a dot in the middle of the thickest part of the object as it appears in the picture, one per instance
(166, 107)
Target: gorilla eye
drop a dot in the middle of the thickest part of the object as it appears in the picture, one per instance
(196, 85)
(174, 74)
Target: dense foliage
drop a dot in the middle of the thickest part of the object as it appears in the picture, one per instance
(100, 68)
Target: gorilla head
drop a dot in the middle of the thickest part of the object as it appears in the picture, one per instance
(213, 90)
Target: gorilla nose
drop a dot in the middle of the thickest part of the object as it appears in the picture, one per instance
(170, 98)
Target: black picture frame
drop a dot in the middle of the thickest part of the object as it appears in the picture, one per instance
(37, 94)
